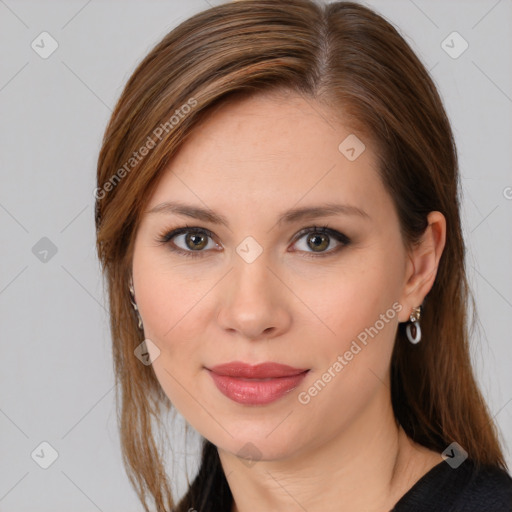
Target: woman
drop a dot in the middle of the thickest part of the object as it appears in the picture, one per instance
(277, 218)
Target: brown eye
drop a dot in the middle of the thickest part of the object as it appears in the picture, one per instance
(188, 241)
(318, 241)
(196, 241)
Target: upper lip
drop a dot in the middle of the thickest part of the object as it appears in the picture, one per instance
(258, 371)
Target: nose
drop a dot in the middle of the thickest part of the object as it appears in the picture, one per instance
(254, 301)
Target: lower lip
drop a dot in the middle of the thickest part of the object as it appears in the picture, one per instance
(253, 391)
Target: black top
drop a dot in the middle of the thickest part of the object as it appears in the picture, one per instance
(468, 488)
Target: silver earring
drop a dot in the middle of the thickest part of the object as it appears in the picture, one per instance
(413, 329)
(132, 300)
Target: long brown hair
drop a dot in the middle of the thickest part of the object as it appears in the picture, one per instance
(352, 60)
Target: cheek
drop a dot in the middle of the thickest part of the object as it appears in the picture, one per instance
(173, 315)
(171, 309)
(351, 364)
(361, 307)
(356, 294)
(169, 300)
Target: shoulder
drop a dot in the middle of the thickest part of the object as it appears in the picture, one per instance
(471, 487)
(487, 488)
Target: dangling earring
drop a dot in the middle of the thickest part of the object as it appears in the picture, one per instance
(132, 300)
(413, 329)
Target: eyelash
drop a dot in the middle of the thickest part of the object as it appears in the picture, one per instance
(166, 236)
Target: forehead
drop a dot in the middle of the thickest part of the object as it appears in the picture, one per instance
(269, 151)
(265, 127)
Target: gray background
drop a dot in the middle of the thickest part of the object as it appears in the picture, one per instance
(56, 379)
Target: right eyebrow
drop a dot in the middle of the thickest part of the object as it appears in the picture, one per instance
(185, 210)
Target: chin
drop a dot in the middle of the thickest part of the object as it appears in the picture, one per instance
(255, 443)
(250, 451)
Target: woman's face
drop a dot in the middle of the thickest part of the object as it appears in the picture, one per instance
(263, 287)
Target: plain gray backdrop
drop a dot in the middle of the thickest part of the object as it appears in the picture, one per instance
(56, 377)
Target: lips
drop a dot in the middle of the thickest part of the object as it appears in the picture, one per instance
(256, 384)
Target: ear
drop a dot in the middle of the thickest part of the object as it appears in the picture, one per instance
(422, 264)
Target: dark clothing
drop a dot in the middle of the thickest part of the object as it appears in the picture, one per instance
(468, 488)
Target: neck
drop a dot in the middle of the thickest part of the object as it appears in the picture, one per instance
(368, 466)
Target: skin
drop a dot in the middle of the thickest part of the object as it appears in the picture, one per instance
(250, 161)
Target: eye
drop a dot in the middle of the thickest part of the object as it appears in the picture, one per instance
(319, 239)
(193, 240)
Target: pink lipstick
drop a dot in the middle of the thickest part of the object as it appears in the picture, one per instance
(256, 385)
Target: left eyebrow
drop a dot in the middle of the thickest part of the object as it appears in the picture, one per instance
(325, 210)
(293, 215)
